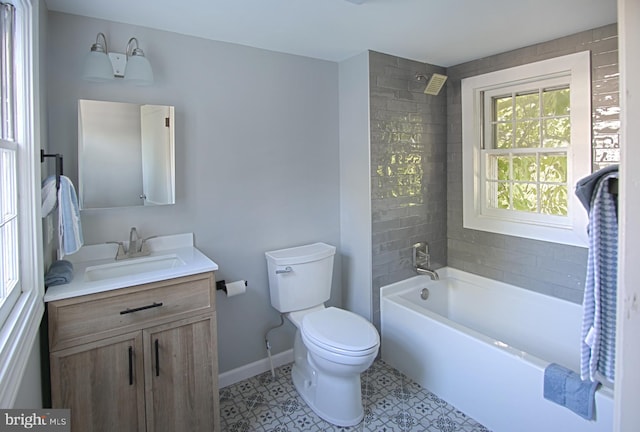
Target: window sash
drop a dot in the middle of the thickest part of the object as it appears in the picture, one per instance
(556, 81)
(489, 180)
(7, 72)
(10, 281)
(488, 146)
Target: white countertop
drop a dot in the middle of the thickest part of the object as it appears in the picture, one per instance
(179, 245)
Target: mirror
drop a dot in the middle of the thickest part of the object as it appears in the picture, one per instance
(126, 154)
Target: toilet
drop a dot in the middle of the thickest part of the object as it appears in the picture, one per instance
(332, 346)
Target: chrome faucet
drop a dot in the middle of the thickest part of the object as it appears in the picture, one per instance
(421, 255)
(133, 241)
(431, 273)
(121, 254)
(422, 260)
(137, 247)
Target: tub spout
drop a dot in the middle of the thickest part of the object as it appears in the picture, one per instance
(431, 273)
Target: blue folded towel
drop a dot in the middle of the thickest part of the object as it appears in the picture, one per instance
(60, 272)
(566, 388)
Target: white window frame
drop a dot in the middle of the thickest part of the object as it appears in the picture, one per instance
(18, 332)
(575, 69)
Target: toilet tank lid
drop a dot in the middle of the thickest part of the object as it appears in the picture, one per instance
(300, 254)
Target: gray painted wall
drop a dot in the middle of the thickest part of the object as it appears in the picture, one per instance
(408, 169)
(257, 158)
(355, 185)
(550, 268)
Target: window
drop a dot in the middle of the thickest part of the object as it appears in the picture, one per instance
(526, 141)
(9, 275)
(21, 278)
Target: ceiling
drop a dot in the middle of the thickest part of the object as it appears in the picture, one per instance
(439, 32)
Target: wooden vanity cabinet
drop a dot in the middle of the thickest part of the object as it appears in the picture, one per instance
(142, 358)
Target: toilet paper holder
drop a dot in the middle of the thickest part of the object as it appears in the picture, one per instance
(221, 285)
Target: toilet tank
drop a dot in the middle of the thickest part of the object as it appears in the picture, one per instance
(300, 277)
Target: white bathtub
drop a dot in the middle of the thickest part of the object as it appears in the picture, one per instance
(483, 345)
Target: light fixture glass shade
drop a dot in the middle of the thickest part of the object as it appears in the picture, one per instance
(97, 67)
(138, 71)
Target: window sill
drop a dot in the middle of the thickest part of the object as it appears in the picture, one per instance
(569, 235)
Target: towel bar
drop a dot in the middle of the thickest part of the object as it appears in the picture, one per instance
(59, 170)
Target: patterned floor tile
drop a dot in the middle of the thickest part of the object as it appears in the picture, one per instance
(392, 402)
(229, 411)
(425, 412)
(382, 424)
(383, 401)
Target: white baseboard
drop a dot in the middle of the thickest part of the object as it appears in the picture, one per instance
(252, 369)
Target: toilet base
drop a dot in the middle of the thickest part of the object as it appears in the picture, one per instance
(334, 398)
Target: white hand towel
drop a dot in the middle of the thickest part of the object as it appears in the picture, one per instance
(49, 195)
(69, 227)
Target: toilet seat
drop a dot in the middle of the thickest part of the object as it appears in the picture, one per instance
(340, 332)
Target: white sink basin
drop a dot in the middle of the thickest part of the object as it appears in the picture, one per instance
(132, 267)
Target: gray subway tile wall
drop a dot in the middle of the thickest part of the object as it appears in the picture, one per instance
(606, 97)
(549, 268)
(408, 168)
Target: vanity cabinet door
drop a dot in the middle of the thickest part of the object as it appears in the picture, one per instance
(181, 375)
(102, 383)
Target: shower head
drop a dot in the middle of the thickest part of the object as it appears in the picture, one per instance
(435, 83)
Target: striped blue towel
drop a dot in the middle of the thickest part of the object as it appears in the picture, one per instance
(599, 307)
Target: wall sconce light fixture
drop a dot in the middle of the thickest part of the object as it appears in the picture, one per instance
(102, 65)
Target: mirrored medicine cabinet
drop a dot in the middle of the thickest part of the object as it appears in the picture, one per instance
(126, 154)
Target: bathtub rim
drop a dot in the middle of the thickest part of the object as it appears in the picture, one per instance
(454, 273)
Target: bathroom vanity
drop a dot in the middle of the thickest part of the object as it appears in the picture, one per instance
(141, 356)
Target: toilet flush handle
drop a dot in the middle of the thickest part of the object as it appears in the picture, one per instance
(287, 269)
